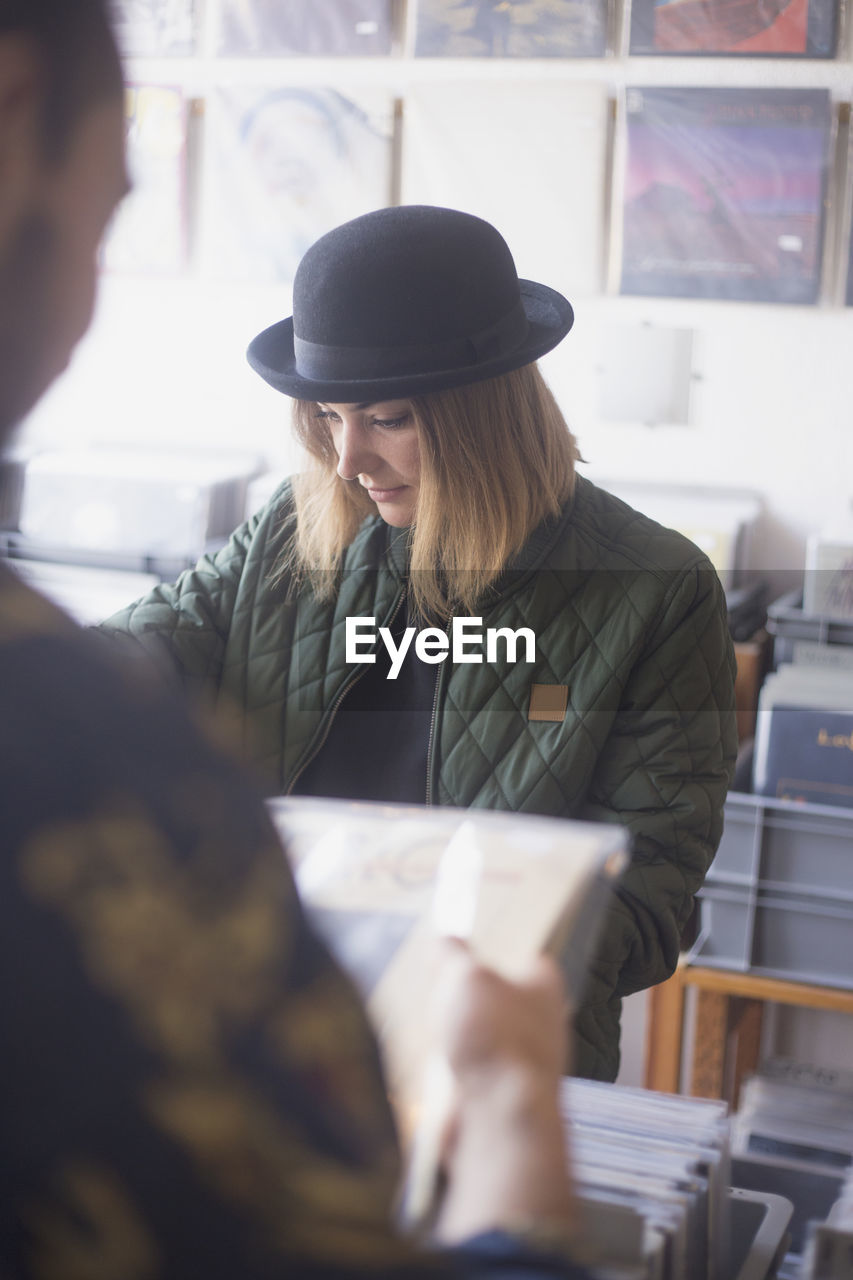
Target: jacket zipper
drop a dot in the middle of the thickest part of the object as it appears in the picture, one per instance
(431, 739)
(333, 710)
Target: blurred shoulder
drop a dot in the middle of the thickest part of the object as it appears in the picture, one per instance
(621, 537)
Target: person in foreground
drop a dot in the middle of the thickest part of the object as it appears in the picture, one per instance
(189, 1085)
(441, 492)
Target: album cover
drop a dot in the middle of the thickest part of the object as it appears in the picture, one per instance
(809, 755)
(149, 234)
(461, 146)
(381, 882)
(284, 166)
(333, 27)
(754, 28)
(155, 28)
(804, 736)
(724, 192)
(511, 28)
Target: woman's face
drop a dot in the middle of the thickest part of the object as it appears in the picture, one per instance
(378, 446)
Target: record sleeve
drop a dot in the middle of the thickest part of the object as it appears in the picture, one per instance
(511, 28)
(724, 193)
(752, 28)
(809, 756)
(284, 166)
(828, 579)
(149, 232)
(155, 28)
(381, 882)
(487, 152)
(316, 28)
(664, 1154)
(804, 736)
(797, 1115)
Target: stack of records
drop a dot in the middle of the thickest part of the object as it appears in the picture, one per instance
(804, 736)
(799, 1119)
(797, 1114)
(652, 1173)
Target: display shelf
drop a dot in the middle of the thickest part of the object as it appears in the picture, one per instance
(726, 1031)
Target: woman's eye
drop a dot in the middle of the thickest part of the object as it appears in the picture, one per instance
(327, 415)
(391, 423)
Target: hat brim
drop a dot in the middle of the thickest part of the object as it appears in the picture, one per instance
(549, 317)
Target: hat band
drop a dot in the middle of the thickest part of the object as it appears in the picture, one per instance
(322, 363)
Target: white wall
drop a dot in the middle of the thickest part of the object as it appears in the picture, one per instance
(772, 410)
(164, 365)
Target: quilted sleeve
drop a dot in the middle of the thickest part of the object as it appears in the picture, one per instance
(189, 620)
(664, 773)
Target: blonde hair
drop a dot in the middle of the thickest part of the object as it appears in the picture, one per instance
(496, 458)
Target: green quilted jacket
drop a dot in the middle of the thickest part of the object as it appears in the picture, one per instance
(628, 615)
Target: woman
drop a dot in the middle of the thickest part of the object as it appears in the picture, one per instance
(442, 487)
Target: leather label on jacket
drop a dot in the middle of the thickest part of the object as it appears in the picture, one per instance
(548, 702)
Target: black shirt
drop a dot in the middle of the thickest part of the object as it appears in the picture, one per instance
(377, 745)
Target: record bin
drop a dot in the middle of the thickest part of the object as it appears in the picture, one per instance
(778, 899)
(759, 1233)
(789, 624)
(812, 1192)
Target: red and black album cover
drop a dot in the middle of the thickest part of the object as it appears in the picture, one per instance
(511, 28)
(754, 28)
(723, 193)
(281, 27)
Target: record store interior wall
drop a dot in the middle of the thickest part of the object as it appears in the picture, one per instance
(694, 208)
(725, 369)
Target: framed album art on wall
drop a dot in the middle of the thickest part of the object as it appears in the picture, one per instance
(723, 193)
(751, 28)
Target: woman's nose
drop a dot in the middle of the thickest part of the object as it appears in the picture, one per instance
(350, 447)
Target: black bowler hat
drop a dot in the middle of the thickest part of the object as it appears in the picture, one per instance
(405, 301)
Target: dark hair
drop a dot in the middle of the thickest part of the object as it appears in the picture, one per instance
(74, 40)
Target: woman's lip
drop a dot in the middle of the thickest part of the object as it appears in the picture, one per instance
(383, 495)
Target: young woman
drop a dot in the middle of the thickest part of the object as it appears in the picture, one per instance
(440, 610)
